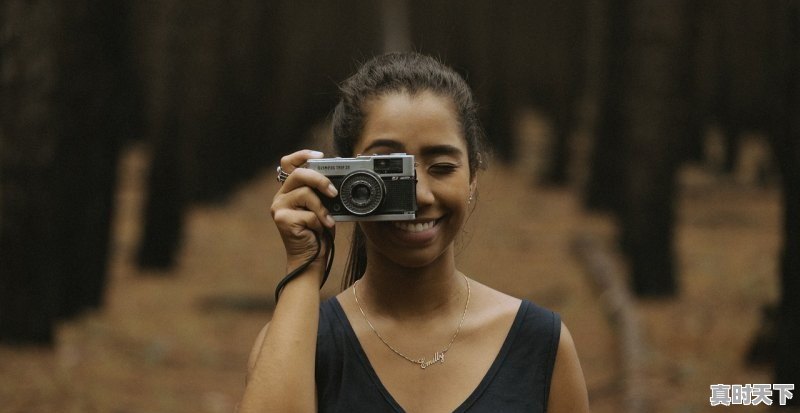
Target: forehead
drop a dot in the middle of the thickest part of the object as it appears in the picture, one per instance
(410, 123)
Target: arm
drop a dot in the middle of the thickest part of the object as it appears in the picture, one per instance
(281, 367)
(567, 387)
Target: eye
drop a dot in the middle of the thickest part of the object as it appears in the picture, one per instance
(443, 168)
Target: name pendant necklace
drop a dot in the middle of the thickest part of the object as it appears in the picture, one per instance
(438, 357)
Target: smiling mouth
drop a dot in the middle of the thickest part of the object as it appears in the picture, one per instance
(415, 226)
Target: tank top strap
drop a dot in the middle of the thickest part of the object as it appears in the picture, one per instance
(519, 379)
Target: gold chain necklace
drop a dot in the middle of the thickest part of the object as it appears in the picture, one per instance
(438, 357)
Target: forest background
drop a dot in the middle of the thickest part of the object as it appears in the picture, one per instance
(646, 184)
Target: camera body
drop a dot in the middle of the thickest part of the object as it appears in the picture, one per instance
(371, 188)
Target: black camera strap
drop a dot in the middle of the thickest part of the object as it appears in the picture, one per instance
(297, 271)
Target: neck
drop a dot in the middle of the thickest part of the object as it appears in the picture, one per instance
(391, 289)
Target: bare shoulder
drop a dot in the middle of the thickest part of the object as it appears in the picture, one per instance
(567, 386)
(491, 304)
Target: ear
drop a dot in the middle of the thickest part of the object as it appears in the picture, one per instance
(473, 185)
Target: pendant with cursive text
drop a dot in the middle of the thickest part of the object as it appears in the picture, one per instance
(437, 358)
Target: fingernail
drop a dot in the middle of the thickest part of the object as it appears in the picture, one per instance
(318, 154)
(331, 221)
(332, 190)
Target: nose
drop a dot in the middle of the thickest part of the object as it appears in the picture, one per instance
(424, 194)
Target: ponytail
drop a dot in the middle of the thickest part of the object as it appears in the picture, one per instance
(356, 259)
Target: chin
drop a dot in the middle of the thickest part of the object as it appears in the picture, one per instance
(413, 259)
(412, 244)
(411, 250)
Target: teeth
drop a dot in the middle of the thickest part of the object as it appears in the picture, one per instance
(414, 226)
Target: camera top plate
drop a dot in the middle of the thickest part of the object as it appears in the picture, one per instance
(395, 164)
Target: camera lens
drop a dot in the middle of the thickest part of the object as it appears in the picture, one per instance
(362, 192)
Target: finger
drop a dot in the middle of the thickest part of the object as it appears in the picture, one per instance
(297, 159)
(292, 222)
(305, 198)
(297, 225)
(313, 179)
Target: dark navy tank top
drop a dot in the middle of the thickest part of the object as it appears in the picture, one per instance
(517, 381)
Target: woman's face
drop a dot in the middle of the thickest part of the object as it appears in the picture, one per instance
(426, 126)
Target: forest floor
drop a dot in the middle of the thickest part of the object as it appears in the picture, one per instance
(178, 341)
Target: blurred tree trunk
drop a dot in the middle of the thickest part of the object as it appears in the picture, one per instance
(396, 25)
(244, 85)
(706, 41)
(213, 66)
(516, 55)
(100, 108)
(641, 137)
(68, 100)
(603, 191)
(32, 276)
(185, 128)
(784, 75)
(564, 54)
(744, 102)
(655, 104)
(468, 42)
(537, 49)
(317, 47)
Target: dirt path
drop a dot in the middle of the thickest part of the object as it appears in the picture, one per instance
(178, 342)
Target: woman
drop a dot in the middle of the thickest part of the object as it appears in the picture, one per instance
(410, 332)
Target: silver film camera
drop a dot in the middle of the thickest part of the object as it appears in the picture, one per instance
(371, 188)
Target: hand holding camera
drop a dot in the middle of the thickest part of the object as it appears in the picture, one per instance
(298, 211)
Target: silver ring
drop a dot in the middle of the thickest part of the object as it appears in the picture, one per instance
(282, 175)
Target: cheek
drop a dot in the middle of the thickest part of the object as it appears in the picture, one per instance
(456, 189)
(454, 196)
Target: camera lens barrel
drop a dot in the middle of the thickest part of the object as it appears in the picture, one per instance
(362, 192)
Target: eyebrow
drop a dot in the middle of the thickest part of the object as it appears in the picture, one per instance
(435, 150)
(426, 151)
(389, 143)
